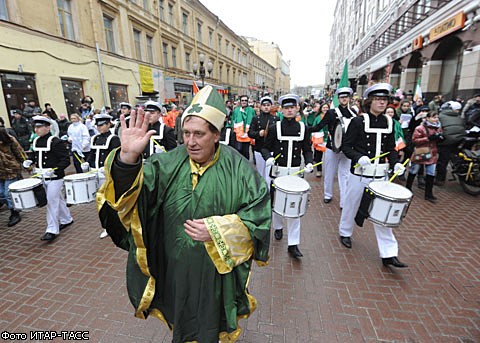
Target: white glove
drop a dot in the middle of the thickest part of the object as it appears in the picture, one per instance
(85, 166)
(27, 163)
(364, 161)
(270, 162)
(49, 172)
(308, 168)
(101, 170)
(159, 149)
(399, 167)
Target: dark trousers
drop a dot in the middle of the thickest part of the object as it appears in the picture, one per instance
(244, 149)
(445, 153)
(317, 157)
(77, 163)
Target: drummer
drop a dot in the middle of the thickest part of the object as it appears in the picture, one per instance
(368, 136)
(164, 138)
(51, 158)
(102, 144)
(287, 140)
(334, 161)
(125, 109)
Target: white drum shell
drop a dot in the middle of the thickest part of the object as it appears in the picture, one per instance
(291, 196)
(22, 193)
(80, 188)
(390, 204)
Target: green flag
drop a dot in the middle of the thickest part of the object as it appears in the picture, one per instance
(343, 83)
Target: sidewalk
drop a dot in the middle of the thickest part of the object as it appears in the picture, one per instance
(332, 294)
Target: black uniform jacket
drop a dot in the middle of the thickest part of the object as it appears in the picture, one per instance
(101, 139)
(357, 143)
(260, 122)
(58, 156)
(329, 120)
(168, 141)
(290, 127)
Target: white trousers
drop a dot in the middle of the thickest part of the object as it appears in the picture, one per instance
(57, 210)
(261, 167)
(387, 244)
(293, 227)
(335, 163)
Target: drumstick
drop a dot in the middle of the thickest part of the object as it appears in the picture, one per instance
(277, 157)
(154, 141)
(301, 171)
(38, 174)
(398, 171)
(373, 158)
(78, 158)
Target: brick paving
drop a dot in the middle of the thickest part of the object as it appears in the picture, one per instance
(332, 295)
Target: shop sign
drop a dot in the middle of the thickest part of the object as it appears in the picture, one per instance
(447, 26)
(417, 43)
(146, 79)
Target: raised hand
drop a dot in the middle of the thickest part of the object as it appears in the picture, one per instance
(135, 137)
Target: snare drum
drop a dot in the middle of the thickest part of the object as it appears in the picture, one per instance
(291, 196)
(28, 193)
(390, 203)
(338, 132)
(80, 188)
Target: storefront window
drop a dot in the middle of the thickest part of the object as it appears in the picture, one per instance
(73, 94)
(118, 94)
(18, 89)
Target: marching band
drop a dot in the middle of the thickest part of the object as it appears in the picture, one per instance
(360, 149)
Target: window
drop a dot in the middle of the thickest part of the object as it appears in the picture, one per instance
(65, 18)
(138, 45)
(118, 94)
(72, 93)
(220, 45)
(165, 55)
(145, 4)
(149, 49)
(185, 23)
(174, 57)
(220, 73)
(161, 9)
(199, 32)
(227, 46)
(109, 37)
(187, 61)
(3, 10)
(170, 14)
(210, 38)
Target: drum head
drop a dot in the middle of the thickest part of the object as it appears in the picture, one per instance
(80, 176)
(337, 137)
(390, 189)
(25, 184)
(291, 183)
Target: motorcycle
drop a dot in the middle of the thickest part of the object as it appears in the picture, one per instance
(466, 163)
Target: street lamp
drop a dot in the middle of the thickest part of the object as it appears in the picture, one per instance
(201, 71)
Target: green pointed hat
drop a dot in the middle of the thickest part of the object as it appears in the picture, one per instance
(208, 105)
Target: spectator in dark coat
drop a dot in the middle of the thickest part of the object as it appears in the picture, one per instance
(22, 129)
(453, 131)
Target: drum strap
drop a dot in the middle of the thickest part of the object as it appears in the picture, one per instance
(227, 136)
(158, 137)
(97, 148)
(290, 140)
(378, 132)
(42, 149)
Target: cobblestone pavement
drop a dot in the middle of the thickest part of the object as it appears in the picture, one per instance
(332, 295)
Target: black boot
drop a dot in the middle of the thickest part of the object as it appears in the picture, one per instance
(429, 188)
(14, 218)
(410, 179)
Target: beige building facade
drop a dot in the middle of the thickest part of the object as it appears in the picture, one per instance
(434, 42)
(58, 51)
(271, 53)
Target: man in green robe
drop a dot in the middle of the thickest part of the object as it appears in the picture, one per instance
(193, 221)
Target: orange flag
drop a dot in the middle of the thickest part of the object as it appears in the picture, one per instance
(195, 88)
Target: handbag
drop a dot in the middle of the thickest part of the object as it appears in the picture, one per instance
(421, 154)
